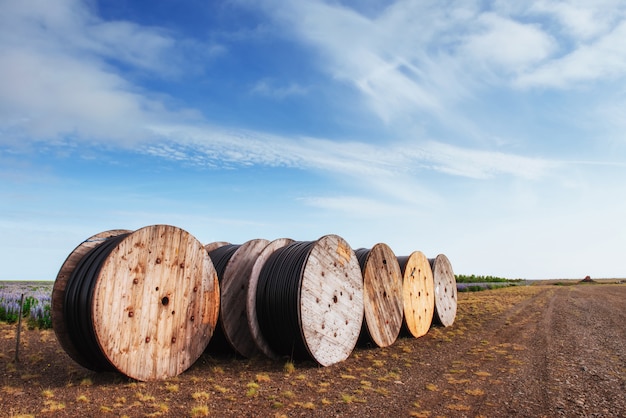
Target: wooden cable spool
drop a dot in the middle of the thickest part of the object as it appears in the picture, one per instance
(417, 293)
(152, 305)
(234, 292)
(382, 294)
(310, 300)
(251, 309)
(445, 290)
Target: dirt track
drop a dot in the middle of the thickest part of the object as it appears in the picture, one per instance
(528, 351)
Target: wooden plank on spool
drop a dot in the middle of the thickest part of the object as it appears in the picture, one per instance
(234, 293)
(382, 295)
(417, 293)
(215, 245)
(253, 322)
(155, 303)
(445, 290)
(331, 300)
(57, 302)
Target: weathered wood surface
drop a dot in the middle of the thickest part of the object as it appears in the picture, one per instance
(58, 291)
(417, 293)
(382, 295)
(253, 321)
(155, 303)
(331, 300)
(215, 245)
(234, 292)
(445, 290)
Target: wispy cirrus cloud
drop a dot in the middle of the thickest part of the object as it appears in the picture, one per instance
(59, 77)
(271, 88)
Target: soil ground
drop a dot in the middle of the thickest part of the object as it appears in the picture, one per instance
(528, 351)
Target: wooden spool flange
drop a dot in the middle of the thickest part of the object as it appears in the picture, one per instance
(445, 290)
(417, 293)
(215, 245)
(60, 285)
(382, 294)
(331, 300)
(155, 302)
(253, 321)
(234, 293)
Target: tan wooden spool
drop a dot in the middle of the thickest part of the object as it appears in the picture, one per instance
(215, 245)
(253, 322)
(234, 293)
(418, 293)
(60, 284)
(331, 300)
(445, 290)
(155, 303)
(382, 295)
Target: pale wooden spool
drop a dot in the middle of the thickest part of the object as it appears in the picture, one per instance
(418, 293)
(445, 290)
(253, 321)
(215, 245)
(329, 300)
(58, 292)
(382, 295)
(155, 302)
(234, 293)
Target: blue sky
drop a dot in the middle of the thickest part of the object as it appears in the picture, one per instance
(490, 131)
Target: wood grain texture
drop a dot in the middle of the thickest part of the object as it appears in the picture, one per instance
(253, 321)
(382, 295)
(234, 292)
(156, 303)
(215, 245)
(417, 293)
(445, 290)
(331, 300)
(60, 284)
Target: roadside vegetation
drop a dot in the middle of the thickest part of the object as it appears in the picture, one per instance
(35, 299)
(473, 283)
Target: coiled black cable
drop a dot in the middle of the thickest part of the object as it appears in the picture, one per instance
(402, 261)
(361, 255)
(220, 258)
(404, 329)
(278, 299)
(78, 302)
(365, 337)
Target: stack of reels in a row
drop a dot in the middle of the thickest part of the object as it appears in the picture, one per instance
(147, 303)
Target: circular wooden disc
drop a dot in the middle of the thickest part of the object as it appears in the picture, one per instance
(215, 245)
(418, 294)
(253, 320)
(445, 290)
(382, 295)
(155, 303)
(234, 293)
(331, 300)
(60, 284)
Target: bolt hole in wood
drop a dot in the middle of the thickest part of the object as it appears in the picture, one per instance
(165, 301)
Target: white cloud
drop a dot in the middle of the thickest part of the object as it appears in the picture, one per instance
(507, 44)
(600, 61)
(579, 19)
(57, 79)
(270, 88)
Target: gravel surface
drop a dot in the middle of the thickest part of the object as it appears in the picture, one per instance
(528, 351)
